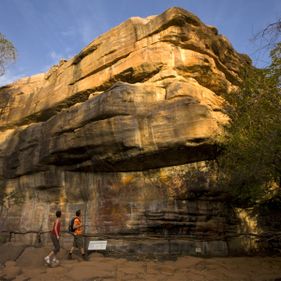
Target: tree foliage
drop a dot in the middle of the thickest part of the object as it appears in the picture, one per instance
(250, 164)
(270, 35)
(7, 53)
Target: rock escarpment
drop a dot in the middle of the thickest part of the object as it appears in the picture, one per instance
(124, 131)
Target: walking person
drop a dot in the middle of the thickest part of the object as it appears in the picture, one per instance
(55, 236)
(78, 236)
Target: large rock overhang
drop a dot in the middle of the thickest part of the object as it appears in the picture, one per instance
(165, 110)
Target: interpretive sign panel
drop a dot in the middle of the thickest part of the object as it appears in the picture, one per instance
(97, 245)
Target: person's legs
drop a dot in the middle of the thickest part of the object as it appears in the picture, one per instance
(56, 249)
(48, 258)
(70, 252)
(80, 245)
(50, 254)
(73, 246)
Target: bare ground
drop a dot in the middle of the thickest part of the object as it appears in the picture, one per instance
(26, 264)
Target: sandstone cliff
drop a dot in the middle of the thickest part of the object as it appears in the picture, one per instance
(123, 130)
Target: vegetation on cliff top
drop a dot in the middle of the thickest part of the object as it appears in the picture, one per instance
(251, 158)
(7, 53)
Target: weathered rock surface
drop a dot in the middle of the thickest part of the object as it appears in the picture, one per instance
(124, 130)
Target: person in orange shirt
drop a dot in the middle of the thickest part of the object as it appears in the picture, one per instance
(78, 236)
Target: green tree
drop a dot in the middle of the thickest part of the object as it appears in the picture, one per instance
(250, 163)
(7, 53)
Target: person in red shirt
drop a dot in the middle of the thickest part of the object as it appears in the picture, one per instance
(55, 236)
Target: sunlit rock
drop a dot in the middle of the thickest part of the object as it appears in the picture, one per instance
(124, 130)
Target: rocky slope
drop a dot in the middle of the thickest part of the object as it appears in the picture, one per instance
(125, 130)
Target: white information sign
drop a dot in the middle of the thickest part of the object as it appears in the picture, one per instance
(198, 250)
(97, 245)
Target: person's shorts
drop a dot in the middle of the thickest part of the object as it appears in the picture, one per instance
(78, 241)
(56, 243)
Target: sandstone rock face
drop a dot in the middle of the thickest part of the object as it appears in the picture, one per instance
(123, 130)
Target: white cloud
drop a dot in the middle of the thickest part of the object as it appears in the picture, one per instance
(69, 33)
(90, 28)
(55, 56)
(10, 77)
(86, 31)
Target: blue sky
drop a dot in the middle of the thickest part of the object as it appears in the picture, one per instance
(44, 31)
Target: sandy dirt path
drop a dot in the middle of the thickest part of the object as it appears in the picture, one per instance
(29, 266)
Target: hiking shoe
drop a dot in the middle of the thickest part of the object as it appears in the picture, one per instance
(47, 260)
(85, 258)
(70, 256)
